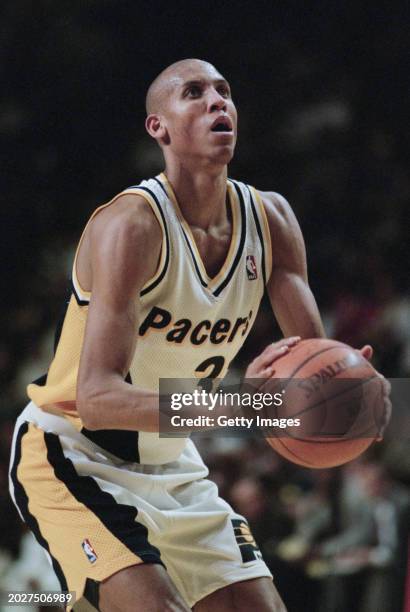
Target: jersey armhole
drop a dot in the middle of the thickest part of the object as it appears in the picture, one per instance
(156, 208)
(82, 295)
(263, 219)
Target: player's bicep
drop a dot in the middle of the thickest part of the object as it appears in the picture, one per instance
(109, 336)
(124, 254)
(288, 288)
(288, 245)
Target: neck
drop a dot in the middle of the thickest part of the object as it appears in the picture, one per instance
(201, 195)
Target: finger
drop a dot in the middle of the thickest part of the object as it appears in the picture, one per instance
(267, 372)
(386, 390)
(291, 341)
(276, 350)
(388, 413)
(388, 408)
(386, 385)
(367, 351)
(270, 356)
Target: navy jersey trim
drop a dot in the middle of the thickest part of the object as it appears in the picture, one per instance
(63, 312)
(119, 442)
(41, 381)
(239, 252)
(161, 185)
(219, 288)
(119, 519)
(82, 302)
(122, 443)
(156, 282)
(92, 592)
(198, 272)
(23, 504)
(260, 234)
(79, 301)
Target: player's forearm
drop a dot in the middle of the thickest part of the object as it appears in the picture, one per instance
(118, 405)
(295, 307)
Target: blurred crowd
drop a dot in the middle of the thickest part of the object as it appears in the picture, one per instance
(318, 127)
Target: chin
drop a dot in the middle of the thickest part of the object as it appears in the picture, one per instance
(224, 156)
(215, 158)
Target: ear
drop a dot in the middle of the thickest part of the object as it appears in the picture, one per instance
(155, 127)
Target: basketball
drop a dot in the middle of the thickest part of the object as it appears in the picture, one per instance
(335, 397)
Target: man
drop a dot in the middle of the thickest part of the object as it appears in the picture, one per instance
(167, 281)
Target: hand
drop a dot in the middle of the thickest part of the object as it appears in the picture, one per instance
(263, 365)
(367, 352)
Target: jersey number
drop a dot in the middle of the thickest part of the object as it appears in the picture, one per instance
(209, 370)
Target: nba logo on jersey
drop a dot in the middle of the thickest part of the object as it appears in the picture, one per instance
(89, 551)
(251, 269)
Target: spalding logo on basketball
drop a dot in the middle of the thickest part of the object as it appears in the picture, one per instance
(338, 398)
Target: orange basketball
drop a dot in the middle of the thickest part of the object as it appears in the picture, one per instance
(336, 396)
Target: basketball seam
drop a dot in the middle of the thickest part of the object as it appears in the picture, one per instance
(337, 394)
(329, 348)
(286, 435)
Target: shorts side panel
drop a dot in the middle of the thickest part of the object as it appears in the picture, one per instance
(207, 545)
(85, 530)
(22, 502)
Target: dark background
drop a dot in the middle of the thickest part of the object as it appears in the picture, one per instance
(322, 96)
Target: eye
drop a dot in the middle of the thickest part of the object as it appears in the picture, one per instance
(193, 91)
(224, 91)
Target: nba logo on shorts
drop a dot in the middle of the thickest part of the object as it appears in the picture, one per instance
(89, 551)
(251, 269)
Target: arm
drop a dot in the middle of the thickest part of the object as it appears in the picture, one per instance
(292, 301)
(124, 245)
(291, 298)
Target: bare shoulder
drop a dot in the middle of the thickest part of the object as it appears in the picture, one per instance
(122, 242)
(129, 218)
(288, 247)
(279, 212)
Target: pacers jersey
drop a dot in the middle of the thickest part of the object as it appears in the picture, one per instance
(189, 325)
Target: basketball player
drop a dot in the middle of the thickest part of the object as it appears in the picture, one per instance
(167, 281)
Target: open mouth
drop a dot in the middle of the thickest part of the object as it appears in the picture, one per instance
(222, 125)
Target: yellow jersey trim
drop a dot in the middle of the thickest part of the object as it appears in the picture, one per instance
(266, 233)
(210, 282)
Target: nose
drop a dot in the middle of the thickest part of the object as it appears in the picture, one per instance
(216, 102)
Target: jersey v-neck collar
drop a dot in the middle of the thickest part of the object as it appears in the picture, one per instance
(217, 283)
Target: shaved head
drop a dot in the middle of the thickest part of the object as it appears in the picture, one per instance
(166, 81)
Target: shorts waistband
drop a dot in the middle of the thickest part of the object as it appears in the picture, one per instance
(47, 421)
(119, 444)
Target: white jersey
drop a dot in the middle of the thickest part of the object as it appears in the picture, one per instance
(190, 325)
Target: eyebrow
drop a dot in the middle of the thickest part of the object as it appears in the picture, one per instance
(202, 81)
